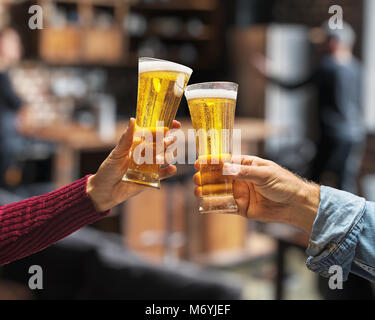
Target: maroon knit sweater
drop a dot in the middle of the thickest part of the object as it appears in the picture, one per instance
(33, 224)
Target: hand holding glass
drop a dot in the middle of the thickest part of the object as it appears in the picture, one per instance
(161, 85)
(212, 107)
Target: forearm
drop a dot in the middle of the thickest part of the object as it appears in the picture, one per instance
(304, 207)
(98, 196)
(34, 224)
(287, 84)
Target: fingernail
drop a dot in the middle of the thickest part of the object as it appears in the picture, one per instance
(159, 159)
(131, 121)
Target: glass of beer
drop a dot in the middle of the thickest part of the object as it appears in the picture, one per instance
(161, 85)
(212, 107)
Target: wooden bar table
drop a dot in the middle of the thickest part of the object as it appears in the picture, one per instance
(72, 139)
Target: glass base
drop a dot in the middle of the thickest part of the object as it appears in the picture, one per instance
(218, 204)
(142, 178)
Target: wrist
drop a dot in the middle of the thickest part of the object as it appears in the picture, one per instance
(305, 206)
(96, 195)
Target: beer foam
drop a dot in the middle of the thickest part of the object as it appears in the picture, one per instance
(161, 65)
(210, 93)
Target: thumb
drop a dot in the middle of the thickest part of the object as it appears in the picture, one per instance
(123, 147)
(256, 174)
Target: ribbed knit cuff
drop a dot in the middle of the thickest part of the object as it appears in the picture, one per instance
(33, 224)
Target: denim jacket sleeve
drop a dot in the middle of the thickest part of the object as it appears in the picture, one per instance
(343, 235)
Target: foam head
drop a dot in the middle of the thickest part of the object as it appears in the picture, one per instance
(147, 65)
(210, 93)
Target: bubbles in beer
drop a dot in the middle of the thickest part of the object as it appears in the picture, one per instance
(160, 87)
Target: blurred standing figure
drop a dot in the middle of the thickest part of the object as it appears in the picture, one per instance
(338, 83)
(337, 80)
(10, 103)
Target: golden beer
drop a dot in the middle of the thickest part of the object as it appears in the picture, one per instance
(214, 183)
(212, 109)
(160, 87)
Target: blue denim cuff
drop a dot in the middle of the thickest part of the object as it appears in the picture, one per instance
(335, 233)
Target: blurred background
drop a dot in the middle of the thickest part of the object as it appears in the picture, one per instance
(67, 90)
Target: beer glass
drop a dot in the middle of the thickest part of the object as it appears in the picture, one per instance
(212, 107)
(161, 85)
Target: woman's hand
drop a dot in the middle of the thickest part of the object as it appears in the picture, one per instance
(106, 188)
(266, 192)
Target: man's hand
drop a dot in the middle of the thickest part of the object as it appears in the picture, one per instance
(262, 65)
(266, 192)
(106, 188)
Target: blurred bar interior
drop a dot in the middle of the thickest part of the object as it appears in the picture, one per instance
(78, 82)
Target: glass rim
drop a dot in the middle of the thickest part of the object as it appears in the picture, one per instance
(214, 89)
(165, 65)
(208, 83)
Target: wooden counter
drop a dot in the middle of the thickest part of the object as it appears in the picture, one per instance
(78, 137)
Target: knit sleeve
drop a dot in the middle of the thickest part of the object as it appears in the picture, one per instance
(33, 224)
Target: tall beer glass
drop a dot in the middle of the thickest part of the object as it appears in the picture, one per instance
(161, 85)
(212, 107)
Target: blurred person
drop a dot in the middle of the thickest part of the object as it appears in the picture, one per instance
(33, 224)
(338, 82)
(10, 104)
(341, 226)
